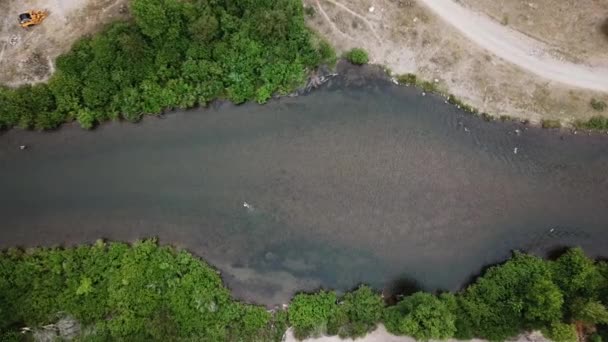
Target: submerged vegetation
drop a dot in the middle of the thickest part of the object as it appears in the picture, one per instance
(148, 292)
(174, 54)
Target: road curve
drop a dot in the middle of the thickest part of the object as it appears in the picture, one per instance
(517, 48)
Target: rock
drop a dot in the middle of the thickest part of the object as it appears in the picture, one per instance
(68, 327)
(436, 81)
(423, 94)
(371, 9)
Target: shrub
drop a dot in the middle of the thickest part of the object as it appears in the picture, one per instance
(598, 105)
(596, 122)
(409, 79)
(309, 314)
(357, 56)
(561, 332)
(422, 316)
(547, 123)
(508, 298)
(359, 311)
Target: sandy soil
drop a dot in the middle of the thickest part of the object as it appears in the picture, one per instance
(576, 28)
(517, 48)
(27, 55)
(381, 335)
(407, 36)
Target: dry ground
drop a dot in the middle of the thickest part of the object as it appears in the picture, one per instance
(576, 28)
(27, 55)
(407, 37)
(401, 34)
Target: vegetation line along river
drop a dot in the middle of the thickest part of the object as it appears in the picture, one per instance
(360, 181)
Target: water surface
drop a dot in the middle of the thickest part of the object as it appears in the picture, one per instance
(361, 181)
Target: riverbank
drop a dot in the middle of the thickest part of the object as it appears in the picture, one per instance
(381, 335)
(377, 169)
(146, 291)
(408, 37)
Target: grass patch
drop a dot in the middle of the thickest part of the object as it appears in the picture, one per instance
(357, 56)
(427, 86)
(598, 105)
(504, 118)
(596, 123)
(468, 108)
(409, 79)
(547, 123)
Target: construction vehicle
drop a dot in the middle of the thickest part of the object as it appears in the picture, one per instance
(31, 18)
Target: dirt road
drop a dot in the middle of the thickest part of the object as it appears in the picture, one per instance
(516, 48)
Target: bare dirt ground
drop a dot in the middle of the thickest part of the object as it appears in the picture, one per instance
(407, 36)
(381, 335)
(27, 55)
(575, 28)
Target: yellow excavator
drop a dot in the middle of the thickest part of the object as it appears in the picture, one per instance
(31, 18)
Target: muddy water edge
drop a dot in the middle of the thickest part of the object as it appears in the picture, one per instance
(359, 181)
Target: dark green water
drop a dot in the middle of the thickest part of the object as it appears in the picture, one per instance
(360, 181)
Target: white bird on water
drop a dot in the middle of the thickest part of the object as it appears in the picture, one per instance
(515, 150)
(248, 206)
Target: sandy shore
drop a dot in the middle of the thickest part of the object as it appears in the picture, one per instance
(381, 335)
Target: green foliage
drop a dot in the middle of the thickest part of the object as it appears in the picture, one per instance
(561, 332)
(589, 312)
(309, 314)
(596, 122)
(409, 79)
(139, 292)
(547, 123)
(598, 105)
(174, 54)
(146, 292)
(357, 56)
(577, 276)
(422, 316)
(511, 297)
(357, 313)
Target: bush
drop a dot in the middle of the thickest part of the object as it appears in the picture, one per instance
(422, 316)
(596, 122)
(561, 332)
(409, 79)
(309, 314)
(358, 313)
(509, 298)
(598, 105)
(546, 123)
(357, 56)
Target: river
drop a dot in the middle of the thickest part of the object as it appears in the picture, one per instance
(360, 181)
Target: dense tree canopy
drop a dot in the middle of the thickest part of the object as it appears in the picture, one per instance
(175, 54)
(147, 292)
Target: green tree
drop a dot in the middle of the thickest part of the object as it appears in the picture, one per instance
(577, 276)
(309, 314)
(358, 313)
(589, 312)
(422, 316)
(561, 332)
(511, 297)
